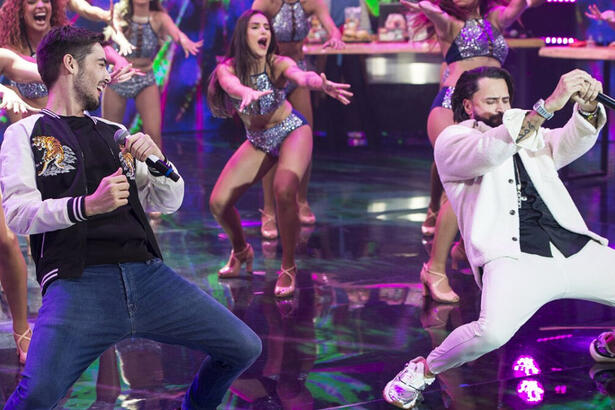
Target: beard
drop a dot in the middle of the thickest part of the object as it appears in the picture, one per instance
(89, 102)
(494, 120)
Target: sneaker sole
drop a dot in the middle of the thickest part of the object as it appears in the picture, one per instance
(397, 404)
(597, 356)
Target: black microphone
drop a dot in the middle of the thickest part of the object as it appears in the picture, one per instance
(606, 100)
(152, 161)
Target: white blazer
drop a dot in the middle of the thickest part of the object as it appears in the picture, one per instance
(475, 163)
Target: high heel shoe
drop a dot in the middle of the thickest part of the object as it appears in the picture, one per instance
(286, 291)
(458, 254)
(436, 284)
(306, 216)
(233, 266)
(19, 338)
(269, 229)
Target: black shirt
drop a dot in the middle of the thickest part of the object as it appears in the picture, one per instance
(537, 226)
(118, 236)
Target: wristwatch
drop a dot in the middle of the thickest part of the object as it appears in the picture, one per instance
(539, 107)
(589, 116)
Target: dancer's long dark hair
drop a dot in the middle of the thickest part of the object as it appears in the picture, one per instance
(421, 22)
(243, 61)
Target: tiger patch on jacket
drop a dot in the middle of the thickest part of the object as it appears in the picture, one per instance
(128, 164)
(56, 158)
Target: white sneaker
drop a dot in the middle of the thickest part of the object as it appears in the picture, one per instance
(405, 388)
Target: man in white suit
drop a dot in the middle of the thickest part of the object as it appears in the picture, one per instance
(525, 239)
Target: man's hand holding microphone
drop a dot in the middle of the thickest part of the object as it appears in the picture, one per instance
(114, 189)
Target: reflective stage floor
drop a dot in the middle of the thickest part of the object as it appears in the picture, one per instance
(359, 313)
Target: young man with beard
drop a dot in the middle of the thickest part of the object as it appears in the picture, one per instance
(67, 183)
(525, 239)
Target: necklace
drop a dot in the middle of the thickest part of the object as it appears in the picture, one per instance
(520, 196)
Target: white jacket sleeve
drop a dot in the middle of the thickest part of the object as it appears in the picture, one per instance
(471, 149)
(158, 194)
(574, 139)
(26, 213)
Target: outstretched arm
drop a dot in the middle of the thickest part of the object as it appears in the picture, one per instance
(442, 21)
(17, 68)
(316, 82)
(85, 9)
(169, 28)
(12, 102)
(504, 16)
(231, 84)
(608, 16)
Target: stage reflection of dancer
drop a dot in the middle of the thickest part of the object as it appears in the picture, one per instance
(252, 82)
(499, 169)
(97, 259)
(291, 26)
(141, 25)
(470, 35)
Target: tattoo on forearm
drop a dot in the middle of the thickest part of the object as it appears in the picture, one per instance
(530, 125)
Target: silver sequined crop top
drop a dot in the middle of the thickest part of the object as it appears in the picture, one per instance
(477, 38)
(145, 40)
(30, 90)
(291, 23)
(266, 104)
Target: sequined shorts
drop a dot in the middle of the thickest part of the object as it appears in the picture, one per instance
(443, 99)
(132, 88)
(271, 139)
(30, 90)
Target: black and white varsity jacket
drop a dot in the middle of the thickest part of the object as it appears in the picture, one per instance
(44, 185)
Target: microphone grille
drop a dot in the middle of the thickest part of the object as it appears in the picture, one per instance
(120, 136)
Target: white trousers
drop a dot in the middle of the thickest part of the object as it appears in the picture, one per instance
(514, 289)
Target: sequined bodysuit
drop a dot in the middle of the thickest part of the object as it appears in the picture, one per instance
(145, 40)
(291, 23)
(269, 140)
(477, 38)
(30, 90)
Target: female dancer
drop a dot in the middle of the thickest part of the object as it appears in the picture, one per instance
(470, 35)
(143, 24)
(12, 264)
(25, 23)
(291, 26)
(251, 80)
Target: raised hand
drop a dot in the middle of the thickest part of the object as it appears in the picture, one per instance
(250, 96)
(141, 146)
(123, 73)
(12, 102)
(126, 47)
(334, 43)
(594, 13)
(578, 85)
(112, 192)
(339, 91)
(420, 6)
(189, 46)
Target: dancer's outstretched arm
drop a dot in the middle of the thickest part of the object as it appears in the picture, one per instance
(313, 81)
(17, 68)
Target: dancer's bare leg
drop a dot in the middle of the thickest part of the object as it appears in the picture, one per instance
(295, 156)
(13, 277)
(147, 103)
(113, 105)
(301, 101)
(247, 166)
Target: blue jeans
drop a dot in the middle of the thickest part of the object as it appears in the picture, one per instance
(80, 318)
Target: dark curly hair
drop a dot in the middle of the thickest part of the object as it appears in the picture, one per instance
(13, 29)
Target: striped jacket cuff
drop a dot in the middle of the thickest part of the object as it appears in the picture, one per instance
(76, 209)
